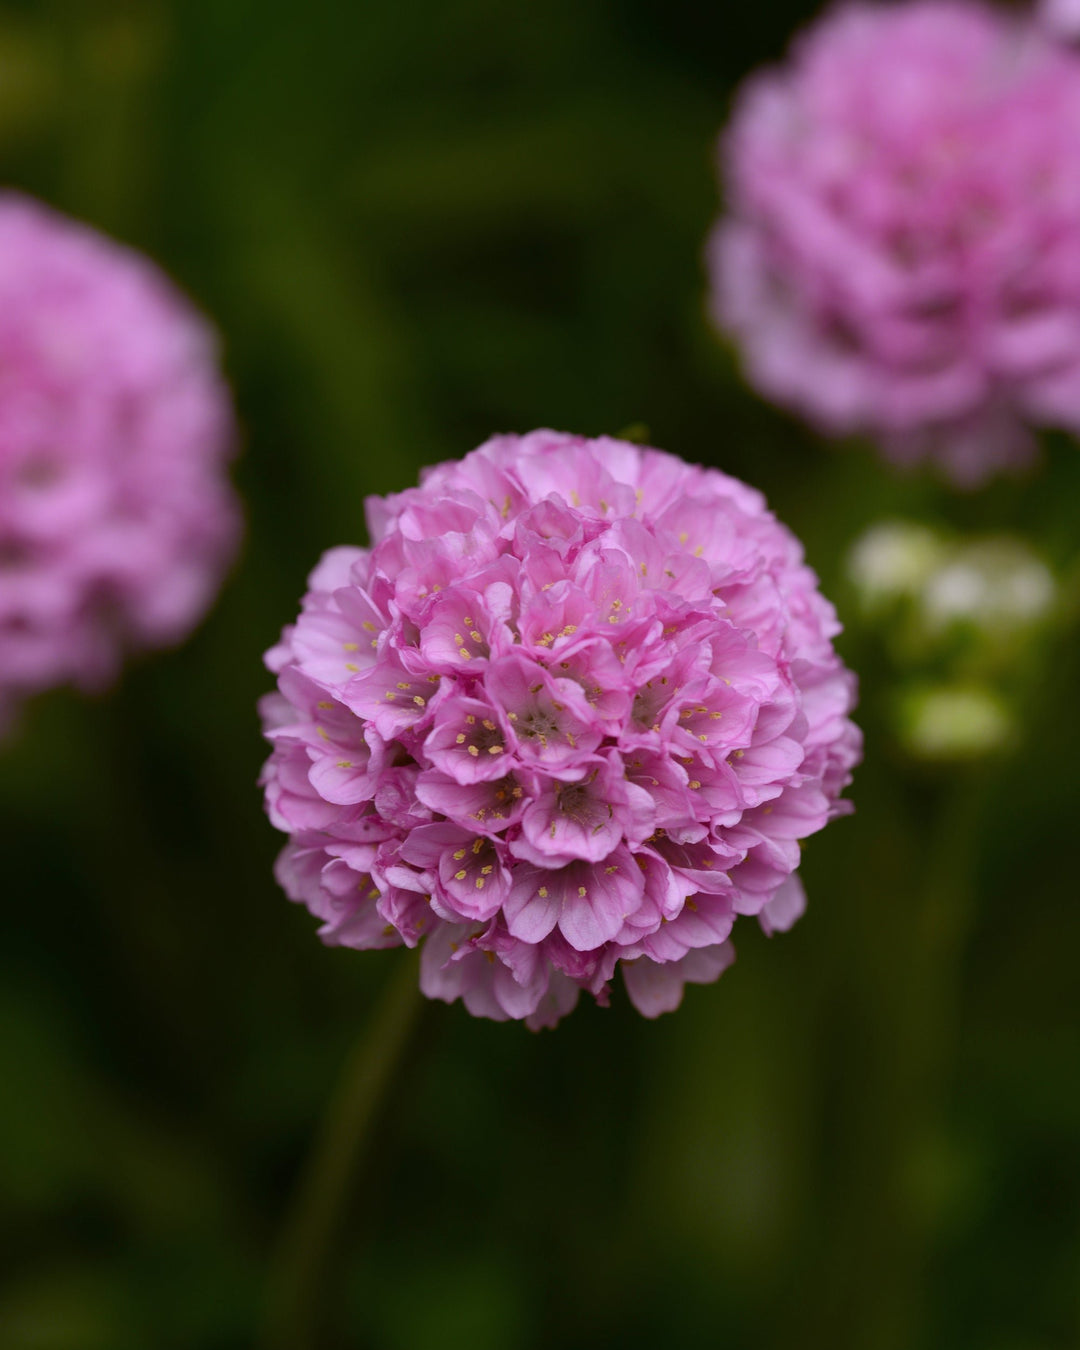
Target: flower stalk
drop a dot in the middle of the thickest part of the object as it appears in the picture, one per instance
(316, 1218)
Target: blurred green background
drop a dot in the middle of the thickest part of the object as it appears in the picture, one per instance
(415, 225)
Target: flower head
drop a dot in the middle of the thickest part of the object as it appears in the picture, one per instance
(575, 708)
(901, 255)
(116, 519)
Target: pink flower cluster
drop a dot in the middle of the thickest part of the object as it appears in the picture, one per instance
(576, 706)
(116, 519)
(901, 256)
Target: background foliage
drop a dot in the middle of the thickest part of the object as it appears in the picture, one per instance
(415, 225)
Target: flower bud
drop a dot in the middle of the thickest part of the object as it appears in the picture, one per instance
(958, 723)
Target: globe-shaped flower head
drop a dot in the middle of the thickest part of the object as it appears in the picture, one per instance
(116, 519)
(901, 255)
(575, 707)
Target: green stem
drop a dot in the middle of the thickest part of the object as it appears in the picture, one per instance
(924, 1034)
(890, 1122)
(299, 1272)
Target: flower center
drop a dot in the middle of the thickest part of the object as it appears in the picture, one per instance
(538, 724)
(481, 736)
(648, 702)
(577, 804)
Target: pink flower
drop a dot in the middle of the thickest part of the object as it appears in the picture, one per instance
(1061, 18)
(574, 709)
(901, 254)
(116, 519)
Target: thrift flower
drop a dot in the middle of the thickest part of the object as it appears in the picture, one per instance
(997, 585)
(901, 253)
(893, 560)
(116, 519)
(573, 710)
(965, 624)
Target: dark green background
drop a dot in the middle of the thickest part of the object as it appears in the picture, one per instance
(417, 224)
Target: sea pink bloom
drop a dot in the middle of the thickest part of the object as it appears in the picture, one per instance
(901, 252)
(575, 708)
(116, 519)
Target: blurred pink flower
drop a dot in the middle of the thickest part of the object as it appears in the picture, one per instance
(576, 707)
(1061, 17)
(116, 518)
(901, 253)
